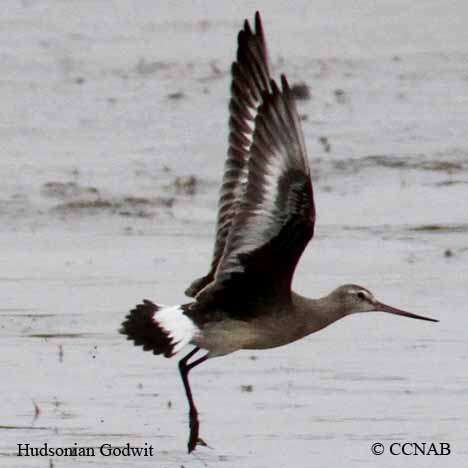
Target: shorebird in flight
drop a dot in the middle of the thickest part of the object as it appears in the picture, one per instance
(265, 220)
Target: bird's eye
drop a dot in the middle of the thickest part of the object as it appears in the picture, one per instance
(361, 295)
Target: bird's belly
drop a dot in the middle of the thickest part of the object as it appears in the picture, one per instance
(227, 336)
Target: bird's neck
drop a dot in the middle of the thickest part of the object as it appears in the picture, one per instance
(315, 314)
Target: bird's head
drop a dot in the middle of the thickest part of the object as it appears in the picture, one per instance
(354, 299)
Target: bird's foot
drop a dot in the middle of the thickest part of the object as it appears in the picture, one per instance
(194, 438)
(194, 441)
(199, 441)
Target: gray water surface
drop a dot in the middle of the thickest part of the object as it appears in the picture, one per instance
(113, 139)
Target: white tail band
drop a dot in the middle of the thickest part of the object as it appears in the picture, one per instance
(180, 328)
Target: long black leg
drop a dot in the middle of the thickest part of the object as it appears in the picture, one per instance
(184, 369)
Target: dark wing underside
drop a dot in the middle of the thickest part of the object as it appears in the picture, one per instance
(276, 215)
(250, 79)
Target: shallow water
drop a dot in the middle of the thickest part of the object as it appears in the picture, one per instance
(107, 115)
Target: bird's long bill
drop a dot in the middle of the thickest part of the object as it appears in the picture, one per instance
(393, 310)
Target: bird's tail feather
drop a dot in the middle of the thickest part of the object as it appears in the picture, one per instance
(158, 328)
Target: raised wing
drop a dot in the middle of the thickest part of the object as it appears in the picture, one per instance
(276, 215)
(250, 79)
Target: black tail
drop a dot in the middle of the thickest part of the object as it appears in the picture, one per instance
(141, 327)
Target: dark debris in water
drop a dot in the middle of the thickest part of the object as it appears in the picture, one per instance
(147, 68)
(325, 144)
(184, 185)
(340, 96)
(177, 96)
(85, 204)
(399, 162)
(58, 335)
(247, 388)
(25, 428)
(67, 190)
(139, 207)
(300, 91)
(442, 166)
(440, 228)
(142, 201)
(31, 316)
(450, 183)
(37, 410)
(75, 199)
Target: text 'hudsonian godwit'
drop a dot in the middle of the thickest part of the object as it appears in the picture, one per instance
(266, 219)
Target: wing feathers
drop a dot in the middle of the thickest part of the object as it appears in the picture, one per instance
(266, 209)
(250, 78)
(276, 214)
